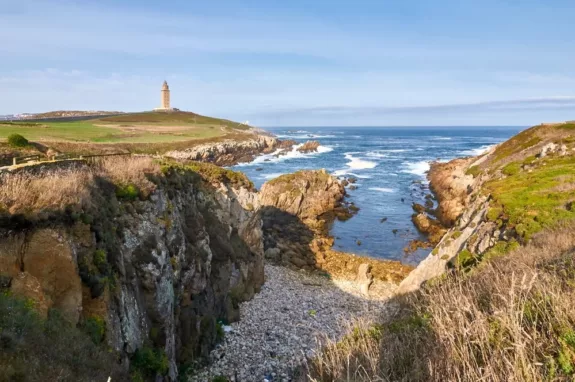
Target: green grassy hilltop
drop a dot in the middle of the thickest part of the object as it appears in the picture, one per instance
(147, 127)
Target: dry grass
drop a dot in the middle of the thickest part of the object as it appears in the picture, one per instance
(31, 192)
(124, 171)
(512, 319)
(24, 192)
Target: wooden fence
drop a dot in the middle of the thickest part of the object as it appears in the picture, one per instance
(35, 159)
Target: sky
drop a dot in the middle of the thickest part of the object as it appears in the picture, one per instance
(296, 62)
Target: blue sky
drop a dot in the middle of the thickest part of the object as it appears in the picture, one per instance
(295, 63)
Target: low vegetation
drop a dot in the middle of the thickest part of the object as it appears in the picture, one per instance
(526, 202)
(212, 173)
(37, 349)
(72, 189)
(16, 140)
(511, 319)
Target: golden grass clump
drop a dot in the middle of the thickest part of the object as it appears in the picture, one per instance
(56, 189)
(511, 319)
(129, 170)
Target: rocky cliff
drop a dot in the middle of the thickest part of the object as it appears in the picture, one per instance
(297, 210)
(230, 152)
(159, 262)
(498, 201)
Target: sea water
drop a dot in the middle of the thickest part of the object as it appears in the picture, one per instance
(390, 165)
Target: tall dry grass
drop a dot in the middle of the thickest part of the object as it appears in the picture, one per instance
(56, 189)
(512, 319)
(30, 192)
(129, 170)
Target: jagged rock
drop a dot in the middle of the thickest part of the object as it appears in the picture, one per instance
(296, 209)
(230, 151)
(546, 149)
(364, 278)
(308, 147)
(429, 226)
(305, 194)
(449, 182)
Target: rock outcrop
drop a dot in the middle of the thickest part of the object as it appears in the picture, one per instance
(451, 186)
(160, 272)
(297, 210)
(229, 152)
(308, 147)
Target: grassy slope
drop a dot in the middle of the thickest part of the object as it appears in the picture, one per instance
(124, 128)
(511, 317)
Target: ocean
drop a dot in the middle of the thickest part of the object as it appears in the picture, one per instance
(390, 164)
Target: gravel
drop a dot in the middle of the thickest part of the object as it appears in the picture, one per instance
(280, 327)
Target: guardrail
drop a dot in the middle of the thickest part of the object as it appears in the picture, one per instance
(59, 157)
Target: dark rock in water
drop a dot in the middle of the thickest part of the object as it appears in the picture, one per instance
(353, 208)
(395, 231)
(414, 245)
(259, 168)
(353, 187)
(383, 220)
(344, 183)
(429, 226)
(266, 160)
(428, 203)
(403, 200)
(352, 179)
(358, 242)
(418, 208)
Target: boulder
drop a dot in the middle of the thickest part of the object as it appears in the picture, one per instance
(364, 278)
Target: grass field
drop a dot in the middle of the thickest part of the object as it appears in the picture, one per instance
(150, 127)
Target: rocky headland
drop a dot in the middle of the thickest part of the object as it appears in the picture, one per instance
(171, 268)
(231, 151)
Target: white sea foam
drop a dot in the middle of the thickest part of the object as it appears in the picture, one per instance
(477, 151)
(359, 164)
(293, 154)
(416, 168)
(441, 139)
(305, 136)
(382, 189)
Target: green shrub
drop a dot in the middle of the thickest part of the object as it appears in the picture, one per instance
(36, 349)
(149, 362)
(16, 140)
(220, 378)
(473, 171)
(95, 327)
(220, 333)
(493, 213)
(511, 169)
(465, 259)
(128, 192)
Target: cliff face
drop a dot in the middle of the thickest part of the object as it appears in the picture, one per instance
(159, 272)
(229, 152)
(496, 202)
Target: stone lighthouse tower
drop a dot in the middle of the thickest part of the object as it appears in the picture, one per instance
(165, 96)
